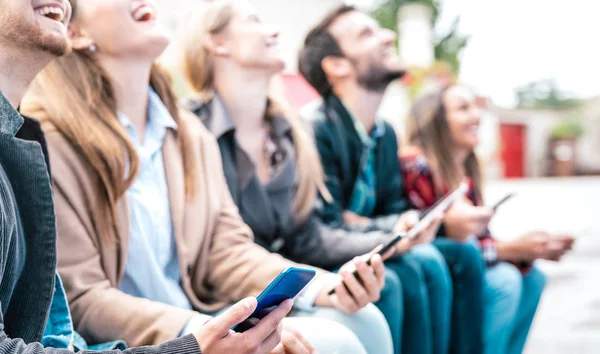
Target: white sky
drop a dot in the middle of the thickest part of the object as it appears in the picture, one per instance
(514, 42)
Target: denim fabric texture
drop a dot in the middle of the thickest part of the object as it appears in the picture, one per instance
(60, 333)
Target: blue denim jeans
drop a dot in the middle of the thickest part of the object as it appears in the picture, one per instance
(467, 270)
(426, 301)
(391, 304)
(511, 301)
(59, 332)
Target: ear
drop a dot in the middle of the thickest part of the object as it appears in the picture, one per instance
(216, 45)
(336, 67)
(80, 40)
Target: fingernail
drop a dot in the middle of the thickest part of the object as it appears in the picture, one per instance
(249, 303)
(289, 303)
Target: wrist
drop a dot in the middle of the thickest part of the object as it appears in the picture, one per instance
(506, 251)
(316, 293)
(403, 246)
(324, 299)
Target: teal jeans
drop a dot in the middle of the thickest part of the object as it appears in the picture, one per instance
(59, 332)
(416, 301)
(511, 300)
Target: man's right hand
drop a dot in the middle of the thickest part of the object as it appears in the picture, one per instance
(216, 336)
(464, 220)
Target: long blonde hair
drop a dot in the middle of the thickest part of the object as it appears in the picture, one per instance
(77, 98)
(428, 129)
(197, 65)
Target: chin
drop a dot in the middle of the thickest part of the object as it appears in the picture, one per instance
(472, 145)
(55, 44)
(278, 66)
(154, 47)
(395, 65)
(270, 67)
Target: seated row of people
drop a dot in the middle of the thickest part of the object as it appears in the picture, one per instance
(165, 219)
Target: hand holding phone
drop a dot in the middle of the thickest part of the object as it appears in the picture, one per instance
(360, 285)
(287, 285)
(430, 216)
(216, 336)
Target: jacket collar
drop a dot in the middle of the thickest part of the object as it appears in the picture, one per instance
(353, 124)
(10, 120)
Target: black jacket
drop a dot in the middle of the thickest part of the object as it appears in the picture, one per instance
(341, 152)
(28, 248)
(267, 209)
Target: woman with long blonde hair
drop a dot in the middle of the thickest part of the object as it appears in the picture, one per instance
(149, 240)
(230, 60)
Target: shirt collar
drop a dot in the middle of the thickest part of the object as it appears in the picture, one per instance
(10, 120)
(367, 138)
(159, 117)
(220, 122)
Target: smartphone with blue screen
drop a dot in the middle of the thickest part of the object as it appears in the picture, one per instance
(287, 285)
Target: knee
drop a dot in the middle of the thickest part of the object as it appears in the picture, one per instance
(434, 266)
(371, 323)
(341, 338)
(470, 264)
(409, 272)
(391, 298)
(370, 317)
(504, 285)
(535, 281)
(393, 286)
(430, 257)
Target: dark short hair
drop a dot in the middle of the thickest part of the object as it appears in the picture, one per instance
(318, 45)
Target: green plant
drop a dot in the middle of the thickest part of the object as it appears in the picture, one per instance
(447, 47)
(544, 94)
(567, 129)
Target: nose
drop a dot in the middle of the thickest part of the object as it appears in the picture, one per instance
(476, 114)
(388, 37)
(273, 31)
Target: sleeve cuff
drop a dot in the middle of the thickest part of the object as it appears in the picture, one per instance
(306, 300)
(184, 345)
(489, 251)
(194, 324)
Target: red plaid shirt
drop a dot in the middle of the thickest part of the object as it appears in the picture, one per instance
(421, 192)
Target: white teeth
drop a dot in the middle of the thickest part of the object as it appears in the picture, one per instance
(47, 10)
(142, 12)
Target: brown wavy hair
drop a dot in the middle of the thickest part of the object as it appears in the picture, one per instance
(77, 98)
(428, 128)
(198, 69)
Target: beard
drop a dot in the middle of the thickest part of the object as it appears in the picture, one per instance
(17, 32)
(376, 77)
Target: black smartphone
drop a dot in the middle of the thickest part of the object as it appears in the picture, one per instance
(425, 220)
(502, 201)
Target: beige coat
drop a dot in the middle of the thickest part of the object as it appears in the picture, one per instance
(219, 261)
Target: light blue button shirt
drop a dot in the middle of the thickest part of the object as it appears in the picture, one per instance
(152, 268)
